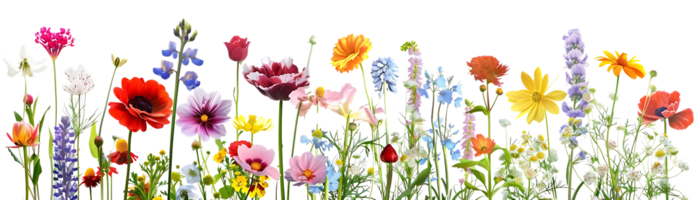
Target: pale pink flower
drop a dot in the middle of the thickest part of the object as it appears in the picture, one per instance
(257, 160)
(342, 107)
(306, 169)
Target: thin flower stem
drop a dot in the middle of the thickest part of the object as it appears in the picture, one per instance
(571, 167)
(389, 175)
(665, 162)
(128, 166)
(279, 144)
(490, 187)
(435, 151)
(55, 94)
(432, 110)
(343, 155)
(172, 120)
(99, 153)
(371, 106)
(90, 189)
(639, 124)
(294, 139)
(607, 138)
(25, 96)
(444, 154)
(199, 164)
(202, 155)
(238, 68)
(26, 173)
(104, 110)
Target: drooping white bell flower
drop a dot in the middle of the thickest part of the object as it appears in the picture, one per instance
(26, 64)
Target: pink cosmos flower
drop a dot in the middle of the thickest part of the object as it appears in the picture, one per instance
(276, 80)
(54, 42)
(306, 169)
(204, 114)
(321, 98)
(257, 160)
(342, 107)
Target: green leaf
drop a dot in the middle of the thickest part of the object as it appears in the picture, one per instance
(514, 184)
(420, 179)
(219, 144)
(93, 147)
(470, 186)
(41, 125)
(15, 157)
(217, 177)
(578, 188)
(50, 149)
(37, 171)
(18, 117)
(30, 116)
(506, 154)
(478, 175)
(227, 192)
(480, 108)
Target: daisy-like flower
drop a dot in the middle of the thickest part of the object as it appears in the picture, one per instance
(218, 157)
(349, 52)
(54, 42)
(482, 145)
(204, 115)
(619, 62)
(120, 157)
(253, 125)
(112, 170)
(141, 102)
(342, 107)
(79, 81)
(25, 65)
(190, 173)
(317, 140)
(23, 135)
(276, 80)
(384, 71)
(306, 169)
(257, 160)
(664, 105)
(90, 178)
(532, 100)
(487, 68)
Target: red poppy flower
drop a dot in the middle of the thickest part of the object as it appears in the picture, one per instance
(141, 102)
(389, 155)
(487, 68)
(90, 178)
(664, 105)
(120, 157)
(237, 48)
(233, 148)
(276, 80)
(111, 171)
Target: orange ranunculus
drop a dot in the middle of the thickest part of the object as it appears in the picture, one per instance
(619, 62)
(23, 135)
(349, 52)
(141, 102)
(482, 145)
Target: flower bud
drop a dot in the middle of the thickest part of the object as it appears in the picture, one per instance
(146, 162)
(208, 180)
(217, 195)
(29, 100)
(673, 151)
(389, 155)
(652, 88)
(223, 171)
(196, 145)
(499, 91)
(482, 88)
(140, 178)
(370, 171)
(162, 152)
(592, 90)
(312, 40)
(99, 141)
(194, 35)
(157, 158)
(177, 166)
(653, 73)
(175, 176)
(208, 152)
(352, 126)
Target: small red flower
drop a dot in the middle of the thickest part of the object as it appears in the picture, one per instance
(112, 170)
(237, 48)
(389, 155)
(664, 105)
(90, 178)
(29, 100)
(233, 148)
(276, 80)
(120, 157)
(487, 68)
(142, 102)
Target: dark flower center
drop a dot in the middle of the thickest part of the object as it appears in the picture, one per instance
(659, 111)
(141, 103)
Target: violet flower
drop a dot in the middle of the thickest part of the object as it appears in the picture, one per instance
(65, 169)
(204, 114)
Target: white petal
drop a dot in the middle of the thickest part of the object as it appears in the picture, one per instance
(266, 61)
(40, 69)
(10, 71)
(22, 53)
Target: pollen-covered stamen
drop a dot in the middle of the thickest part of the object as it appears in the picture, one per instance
(320, 92)
(308, 174)
(536, 97)
(141, 103)
(204, 118)
(256, 166)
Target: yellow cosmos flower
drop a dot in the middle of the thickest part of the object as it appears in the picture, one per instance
(218, 157)
(349, 52)
(533, 100)
(619, 62)
(253, 125)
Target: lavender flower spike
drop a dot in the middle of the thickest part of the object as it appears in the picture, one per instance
(65, 173)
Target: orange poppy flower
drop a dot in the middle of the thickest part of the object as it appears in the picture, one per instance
(349, 52)
(482, 145)
(619, 62)
(142, 102)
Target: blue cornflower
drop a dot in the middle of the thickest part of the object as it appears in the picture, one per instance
(191, 54)
(165, 69)
(190, 80)
(445, 97)
(171, 51)
(384, 70)
(317, 140)
(316, 189)
(332, 176)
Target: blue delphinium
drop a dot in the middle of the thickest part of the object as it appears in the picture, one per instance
(317, 140)
(191, 54)
(65, 173)
(165, 69)
(190, 80)
(384, 71)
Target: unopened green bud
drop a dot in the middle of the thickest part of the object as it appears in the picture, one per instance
(652, 88)
(352, 126)
(196, 145)
(175, 176)
(312, 40)
(194, 35)
(592, 90)
(208, 180)
(653, 73)
(217, 195)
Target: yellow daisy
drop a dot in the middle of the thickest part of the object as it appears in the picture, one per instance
(253, 125)
(533, 100)
(621, 62)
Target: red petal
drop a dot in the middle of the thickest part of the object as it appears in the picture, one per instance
(681, 120)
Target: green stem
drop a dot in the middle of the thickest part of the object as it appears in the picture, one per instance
(237, 90)
(365, 84)
(607, 138)
(549, 146)
(432, 110)
(444, 154)
(25, 96)
(199, 163)
(665, 162)
(57, 111)
(325, 190)
(571, 167)
(90, 189)
(104, 110)
(344, 157)
(389, 175)
(102, 169)
(435, 151)
(26, 173)
(294, 139)
(172, 119)
(279, 145)
(490, 187)
(202, 155)
(128, 166)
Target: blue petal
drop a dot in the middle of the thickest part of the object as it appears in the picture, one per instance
(197, 61)
(458, 102)
(157, 70)
(441, 82)
(165, 76)
(422, 161)
(456, 154)
(305, 139)
(166, 53)
(186, 61)
(427, 75)
(440, 69)
(449, 144)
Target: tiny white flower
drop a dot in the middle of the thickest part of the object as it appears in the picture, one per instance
(530, 173)
(612, 144)
(602, 169)
(634, 175)
(587, 97)
(683, 165)
(589, 178)
(553, 156)
(80, 82)
(504, 122)
(594, 198)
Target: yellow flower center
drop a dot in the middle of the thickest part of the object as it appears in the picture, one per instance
(122, 146)
(483, 148)
(533, 158)
(308, 174)
(541, 137)
(660, 153)
(520, 150)
(320, 91)
(339, 162)
(204, 118)
(256, 166)
(317, 134)
(404, 157)
(536, 97)
(89, 172)
(540, 155)
(513, 147)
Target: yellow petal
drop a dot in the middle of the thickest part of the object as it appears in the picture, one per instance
(550, 106)
(532, 113)
(538, 79)
(527, 81)
(525, 111)
(545, 84)
(556, 95)
(610, 55)
(521, 105)
(515, 96)
(540, 113)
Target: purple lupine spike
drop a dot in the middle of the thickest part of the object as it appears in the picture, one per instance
(65, 173)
